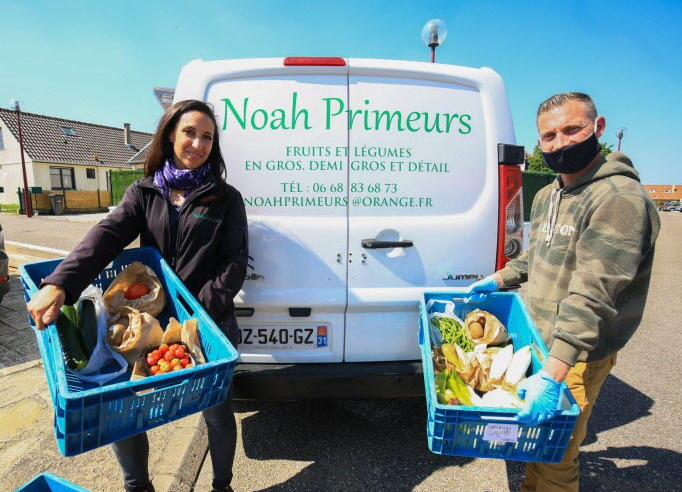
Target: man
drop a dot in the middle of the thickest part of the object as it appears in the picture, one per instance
(588, 268)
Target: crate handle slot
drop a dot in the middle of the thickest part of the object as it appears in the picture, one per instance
(496, 418)
(185, 304)
(157, 388)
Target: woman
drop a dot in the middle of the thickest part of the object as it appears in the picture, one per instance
(184, 208)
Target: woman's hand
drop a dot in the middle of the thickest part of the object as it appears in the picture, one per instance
(45, 305)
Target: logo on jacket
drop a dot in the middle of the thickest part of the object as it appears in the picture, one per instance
(564, 230)
(206, 217)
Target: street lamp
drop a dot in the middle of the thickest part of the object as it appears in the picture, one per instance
(27, 199)
(620, 133)
(434, 33)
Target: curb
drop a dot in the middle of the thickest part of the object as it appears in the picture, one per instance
(192, 461)
(20, 253)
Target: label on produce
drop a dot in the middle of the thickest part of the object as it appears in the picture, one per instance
(501, 432)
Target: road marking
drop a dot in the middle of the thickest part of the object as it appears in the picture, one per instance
(38, 248)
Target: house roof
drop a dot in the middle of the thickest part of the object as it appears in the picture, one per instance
(141, 155)
(664, 192)
(90, 144)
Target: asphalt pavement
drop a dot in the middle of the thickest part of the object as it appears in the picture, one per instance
(634, 441)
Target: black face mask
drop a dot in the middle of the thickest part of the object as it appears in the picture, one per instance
(573, 158)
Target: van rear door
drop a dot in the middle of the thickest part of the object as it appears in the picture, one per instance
(423, 197)
(282, 154)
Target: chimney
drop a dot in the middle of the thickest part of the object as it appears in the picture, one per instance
(126, 134)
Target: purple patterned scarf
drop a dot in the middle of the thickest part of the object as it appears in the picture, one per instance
(168, 176)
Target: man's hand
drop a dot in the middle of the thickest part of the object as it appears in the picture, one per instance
(45, 305)
(477, 290)
(541, 394)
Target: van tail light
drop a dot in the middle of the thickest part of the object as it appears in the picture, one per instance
(510, 212)
(315, 61)
(4, 279)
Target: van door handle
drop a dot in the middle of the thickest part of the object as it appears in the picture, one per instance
(375, 244)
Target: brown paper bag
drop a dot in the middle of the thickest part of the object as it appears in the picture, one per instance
(175, 332)
(136, 273)
(133, 333)
(494, 332)
(187, 334)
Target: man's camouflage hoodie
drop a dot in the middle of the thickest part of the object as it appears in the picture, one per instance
(588, 264)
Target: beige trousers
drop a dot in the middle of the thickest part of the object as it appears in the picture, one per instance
(585, 381)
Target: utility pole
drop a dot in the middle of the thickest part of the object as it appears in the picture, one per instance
(27, 198)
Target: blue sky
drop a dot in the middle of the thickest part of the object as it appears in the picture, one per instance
(98, 61)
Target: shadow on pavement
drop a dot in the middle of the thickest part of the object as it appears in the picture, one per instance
(613, 394)
(354, 445)
(631, 469)
(605, 418)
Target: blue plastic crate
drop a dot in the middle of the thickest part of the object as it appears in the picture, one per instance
(459, 430)
(47, 482)
(87, 415)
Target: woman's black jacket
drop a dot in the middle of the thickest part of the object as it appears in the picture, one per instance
(212, 242)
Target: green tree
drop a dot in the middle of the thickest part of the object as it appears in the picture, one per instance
(535, 158)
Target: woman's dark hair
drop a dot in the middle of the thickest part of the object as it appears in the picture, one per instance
(161, 147)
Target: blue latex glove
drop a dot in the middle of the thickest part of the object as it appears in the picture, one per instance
(477, 290)
(541, 394)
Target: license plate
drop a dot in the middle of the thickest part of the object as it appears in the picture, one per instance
(283, 337)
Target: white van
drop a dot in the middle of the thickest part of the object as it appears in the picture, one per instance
(366, 182)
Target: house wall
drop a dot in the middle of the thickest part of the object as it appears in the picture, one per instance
(83, 183)
(11, 176)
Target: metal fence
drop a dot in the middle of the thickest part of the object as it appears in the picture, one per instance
(533, 181)
(120, 180)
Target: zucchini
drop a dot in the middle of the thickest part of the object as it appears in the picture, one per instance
(67, 327)
(87, 325)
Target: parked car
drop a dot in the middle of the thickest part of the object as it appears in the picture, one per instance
(4, 267)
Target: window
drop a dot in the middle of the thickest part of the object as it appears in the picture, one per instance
(67, 130)
(62, 177)
(2, 142)
(90, 173)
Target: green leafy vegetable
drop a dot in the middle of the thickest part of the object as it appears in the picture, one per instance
(453, 332)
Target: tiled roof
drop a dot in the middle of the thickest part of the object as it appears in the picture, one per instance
(664, 192)
(44, 140)
(141, 155)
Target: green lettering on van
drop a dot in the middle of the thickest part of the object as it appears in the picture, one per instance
(242, 120)
(465, 124)
(328, 111)
(297, 114)
(378, 116)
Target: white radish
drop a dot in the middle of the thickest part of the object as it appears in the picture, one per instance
(500, 398)
(501, 361)
(518, 366)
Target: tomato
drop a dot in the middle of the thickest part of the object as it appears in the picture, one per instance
(157, 353)
(184, 362)
(151, 360)
(163, 348)
(163, 365)
(180, 352)
(177, 368)
(175, 362)
(154, 369)
(136, 291)
(168, 356)
(173, 348)
(189, 365)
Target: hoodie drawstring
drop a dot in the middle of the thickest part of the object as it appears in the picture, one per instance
(552, 214)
